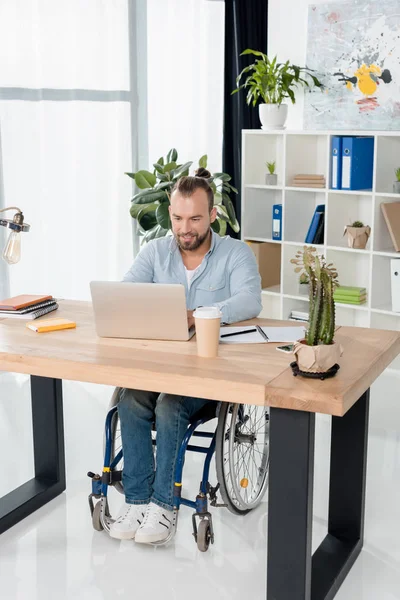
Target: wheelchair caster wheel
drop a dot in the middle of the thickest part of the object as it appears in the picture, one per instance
(203, 535)
(96, 521)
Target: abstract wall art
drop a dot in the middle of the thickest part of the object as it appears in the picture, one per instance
(354, 48)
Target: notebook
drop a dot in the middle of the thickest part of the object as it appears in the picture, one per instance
(29, 315)
(267, 334)
(51, 325)
(22, 301)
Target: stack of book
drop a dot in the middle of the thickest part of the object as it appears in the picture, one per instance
(305, 180)
(298, 315)
(27, 306)
(346, 294)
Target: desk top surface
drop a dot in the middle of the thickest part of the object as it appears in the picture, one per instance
(249, 373)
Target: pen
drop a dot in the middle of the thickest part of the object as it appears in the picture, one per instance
(238, 333)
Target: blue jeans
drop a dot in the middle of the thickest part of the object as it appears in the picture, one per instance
(137, 411)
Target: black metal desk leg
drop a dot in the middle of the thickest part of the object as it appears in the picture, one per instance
(49, 457)
(339, 550)
(292, 435)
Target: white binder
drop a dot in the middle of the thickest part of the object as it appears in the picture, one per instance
(395, 281)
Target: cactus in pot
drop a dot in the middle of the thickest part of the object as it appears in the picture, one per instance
(317, 353)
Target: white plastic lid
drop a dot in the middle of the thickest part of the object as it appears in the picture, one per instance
(207, 312)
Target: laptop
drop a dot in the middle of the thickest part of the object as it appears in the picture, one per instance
(151, 311)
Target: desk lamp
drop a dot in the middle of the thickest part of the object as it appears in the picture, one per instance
(12, 249)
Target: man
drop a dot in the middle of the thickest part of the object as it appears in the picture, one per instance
(215, 271)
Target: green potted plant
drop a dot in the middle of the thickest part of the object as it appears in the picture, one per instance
(396, 184)
(150, 205)
(271, 178)
(318, 352)
(270, 83)
(357, 234)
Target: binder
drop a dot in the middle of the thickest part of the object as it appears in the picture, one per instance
(336, 163)
(277, 222)
(357, 163)
(319, 234)
(312, 230)
(395, 283)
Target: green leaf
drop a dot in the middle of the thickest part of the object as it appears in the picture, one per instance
(147, 218)
(158, 167)
(162, 216)
(181, 170)
(145, 179)
(154, 233)
(222, 227)
(141, 198)
(170, 166)
(160, 161)
(203, 161)
(215, 226)
(231, 212)
(131, 175)
(222, 176)
(136, 209)
(222, 213)
(172, 155)
(217, 198)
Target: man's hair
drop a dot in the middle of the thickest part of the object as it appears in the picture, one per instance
(188, 185)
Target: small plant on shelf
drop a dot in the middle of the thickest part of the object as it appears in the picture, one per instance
(396, 184)
(318, 352)
(269, 83)
(357, 234)
(271, 178)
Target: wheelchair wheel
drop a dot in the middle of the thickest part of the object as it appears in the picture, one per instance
(116, 438)
(203, 535)
(242, 455)
(96, 522)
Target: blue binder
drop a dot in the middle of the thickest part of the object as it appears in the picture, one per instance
(277, 222)
(357, 163)
(336, 163)
(312, 230)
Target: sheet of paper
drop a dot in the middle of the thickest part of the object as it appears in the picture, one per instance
(275, 334)
(246, 338)
(284, 334)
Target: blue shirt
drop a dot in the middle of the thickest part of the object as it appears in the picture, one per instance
(228, 276)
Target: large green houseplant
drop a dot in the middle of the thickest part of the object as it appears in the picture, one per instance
(269, 83)
(318, 352)
(150, 205)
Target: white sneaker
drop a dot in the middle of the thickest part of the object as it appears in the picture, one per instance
(127, 521)
(158, 525)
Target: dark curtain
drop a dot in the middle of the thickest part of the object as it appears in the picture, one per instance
(245, 27)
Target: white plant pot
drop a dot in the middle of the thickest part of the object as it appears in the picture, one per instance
(396, 187)
(271, 179)
(273, 116)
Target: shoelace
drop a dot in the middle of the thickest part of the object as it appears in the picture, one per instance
(153, 516)
(128, 513)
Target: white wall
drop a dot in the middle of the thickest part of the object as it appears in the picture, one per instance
(287, 37)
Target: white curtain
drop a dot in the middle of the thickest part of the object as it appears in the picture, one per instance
(74, 76)
(185, 48)
(66, 104)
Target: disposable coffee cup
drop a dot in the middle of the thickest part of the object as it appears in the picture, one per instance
(207, 321)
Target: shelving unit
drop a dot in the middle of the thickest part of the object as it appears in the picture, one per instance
(309, 152)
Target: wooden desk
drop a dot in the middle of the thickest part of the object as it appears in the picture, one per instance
(251, 374)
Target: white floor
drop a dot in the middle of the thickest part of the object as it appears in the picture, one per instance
(55, 554)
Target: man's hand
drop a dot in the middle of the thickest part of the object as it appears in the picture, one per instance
(190, 318)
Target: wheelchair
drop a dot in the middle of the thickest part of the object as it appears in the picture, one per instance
(241, 445)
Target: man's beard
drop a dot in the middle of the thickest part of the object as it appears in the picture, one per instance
(193, 244)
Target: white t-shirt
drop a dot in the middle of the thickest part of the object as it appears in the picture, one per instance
(190, 275)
